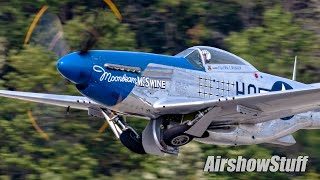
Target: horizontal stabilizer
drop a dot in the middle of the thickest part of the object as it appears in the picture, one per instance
(315, 85)
(284, 141)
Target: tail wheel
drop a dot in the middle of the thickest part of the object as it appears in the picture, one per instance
(129, 139)
(176, 137)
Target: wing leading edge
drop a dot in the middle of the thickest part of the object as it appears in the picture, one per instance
(76, 102)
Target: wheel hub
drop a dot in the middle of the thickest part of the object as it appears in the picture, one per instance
(180, 140)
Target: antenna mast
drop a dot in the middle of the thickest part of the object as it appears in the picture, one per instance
(294, 76)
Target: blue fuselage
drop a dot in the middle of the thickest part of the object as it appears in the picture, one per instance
(79, 69)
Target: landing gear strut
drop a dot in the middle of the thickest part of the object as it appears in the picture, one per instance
(155, 139)
(127, 135)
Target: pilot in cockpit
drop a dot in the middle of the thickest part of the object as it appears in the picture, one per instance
(206, 56)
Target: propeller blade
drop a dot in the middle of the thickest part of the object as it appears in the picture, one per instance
(105, 124)
(46, 30)
(114, 9)
(37, 127)
(34, 23)
(93, 34)
(103, 127)
(91, 39)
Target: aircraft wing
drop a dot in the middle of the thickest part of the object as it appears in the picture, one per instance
(76, 102)
(248, 108)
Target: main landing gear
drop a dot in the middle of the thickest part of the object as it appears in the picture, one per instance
(127, 135)
(176, 137)
(157, 138)
(132, 141)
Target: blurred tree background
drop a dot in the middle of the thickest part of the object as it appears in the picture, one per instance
(266, 33)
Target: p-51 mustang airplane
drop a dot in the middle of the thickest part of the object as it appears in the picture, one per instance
(202, 93)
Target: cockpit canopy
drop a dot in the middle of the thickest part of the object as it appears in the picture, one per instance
(203, 56)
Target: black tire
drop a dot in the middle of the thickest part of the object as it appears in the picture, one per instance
(176, 137)
(129, 139)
